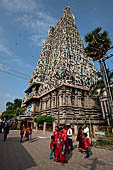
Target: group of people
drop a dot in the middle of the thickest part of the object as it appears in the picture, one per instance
(28, 133)
(83, 138)
(61, 144)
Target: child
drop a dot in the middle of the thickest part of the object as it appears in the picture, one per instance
(86, 144)
(30, 134)
(52, 146)
(27, 134)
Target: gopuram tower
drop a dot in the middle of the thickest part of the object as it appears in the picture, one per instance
(61, 80)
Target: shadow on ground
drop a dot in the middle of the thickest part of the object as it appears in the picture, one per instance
(35, 139)
(69, 155)
(13, 155)
(93, 165)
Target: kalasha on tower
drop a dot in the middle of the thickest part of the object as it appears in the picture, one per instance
(63, 73)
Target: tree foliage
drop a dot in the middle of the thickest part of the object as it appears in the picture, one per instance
(44, 118)
(13, 109)
(99, 85)
(98, 43)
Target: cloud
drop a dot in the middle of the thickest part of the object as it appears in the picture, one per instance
(5, 50)
(6, 53)
(31, 18)
(38, 23)
(37, 26)
(5, 97)
(38, 39)
(19, 5)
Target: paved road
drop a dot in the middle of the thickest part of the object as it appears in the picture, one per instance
(34, 156)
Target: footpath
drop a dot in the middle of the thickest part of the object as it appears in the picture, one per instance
(35, 156)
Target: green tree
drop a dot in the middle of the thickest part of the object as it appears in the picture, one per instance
(99, 85)
(98, 43)
(43, 118)
(12, 109)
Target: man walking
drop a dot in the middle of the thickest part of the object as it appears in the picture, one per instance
(6, 130)
(69, 136)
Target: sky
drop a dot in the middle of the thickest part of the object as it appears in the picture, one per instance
(24, 25)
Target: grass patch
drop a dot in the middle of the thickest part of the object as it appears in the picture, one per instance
(104, 142)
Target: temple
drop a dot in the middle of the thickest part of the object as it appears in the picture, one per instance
(62, 78)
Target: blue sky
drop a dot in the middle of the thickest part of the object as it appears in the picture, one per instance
(24, 24)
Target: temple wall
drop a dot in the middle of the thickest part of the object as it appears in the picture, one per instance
(76, 106)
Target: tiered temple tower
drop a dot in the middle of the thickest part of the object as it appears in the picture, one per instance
(63, 56)
(63, 66)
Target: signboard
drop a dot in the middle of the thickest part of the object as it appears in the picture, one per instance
(29, 110)
(100, 133)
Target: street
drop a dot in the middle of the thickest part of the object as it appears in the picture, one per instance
(35, 156)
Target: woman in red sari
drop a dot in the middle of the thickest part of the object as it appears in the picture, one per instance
(59, 150)
(81, 141)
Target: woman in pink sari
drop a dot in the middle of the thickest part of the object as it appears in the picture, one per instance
(81, 141)
(56, 133)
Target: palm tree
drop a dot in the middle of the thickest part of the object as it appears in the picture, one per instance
(98, 43)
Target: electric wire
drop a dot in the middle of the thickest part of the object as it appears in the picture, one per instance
(11, 73)
(12, 70)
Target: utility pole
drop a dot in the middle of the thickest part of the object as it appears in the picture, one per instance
(107, 86)
(58, 101)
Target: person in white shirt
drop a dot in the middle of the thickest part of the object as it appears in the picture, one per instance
(86, 130)
(69, 136)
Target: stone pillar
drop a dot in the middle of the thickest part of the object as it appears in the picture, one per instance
(33, 107)
(39, 104)
(49, 102)
(85, 99)
(44, 104)
(79, 99)
(54, 124)
(64, 99)
(36, 127)
(61, 100)
(75, 130)
(53, 102)
(94, 128)
(44, 128)
(76, 100)
(69, 99)
(40, 107)
(32, 125)
(56, 100)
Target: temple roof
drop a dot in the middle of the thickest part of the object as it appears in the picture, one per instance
(32, 85)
